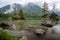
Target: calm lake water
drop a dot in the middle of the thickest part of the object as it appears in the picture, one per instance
(59, 22)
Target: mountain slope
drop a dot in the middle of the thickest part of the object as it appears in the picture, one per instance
(32, 9)
(16, 7)
(4, 9)
(29, 9)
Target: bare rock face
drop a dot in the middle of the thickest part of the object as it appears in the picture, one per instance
(7, 25)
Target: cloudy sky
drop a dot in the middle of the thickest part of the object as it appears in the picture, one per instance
(23, 2)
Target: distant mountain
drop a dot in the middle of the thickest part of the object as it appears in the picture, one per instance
(11, 8)
(32, 9)
(16, 7)
(57, 12)
(4, 9)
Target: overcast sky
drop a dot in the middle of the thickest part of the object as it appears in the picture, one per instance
(23, 2)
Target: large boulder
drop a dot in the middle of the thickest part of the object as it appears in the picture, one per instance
(8, 25)
(47, 24)
(40, 32)
(18, 33)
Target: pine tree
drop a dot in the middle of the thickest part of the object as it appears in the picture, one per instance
(45, 8)
(54, 7)
(21, 15)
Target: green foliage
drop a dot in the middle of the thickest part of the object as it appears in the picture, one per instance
(5, 15)
(22, 16)
(45, 8)
(21, 12)
(18, 16)
(6, 36)
(54, 17)
(44, 16)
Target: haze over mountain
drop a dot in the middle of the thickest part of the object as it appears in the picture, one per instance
(29, 9)
(32, 9)
(16, 7)
(4, 9)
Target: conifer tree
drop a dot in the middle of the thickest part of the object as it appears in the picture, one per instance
(22, 16)
(45, 8)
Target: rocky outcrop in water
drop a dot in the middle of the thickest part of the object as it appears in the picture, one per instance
(47, 24)
(54, 32)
